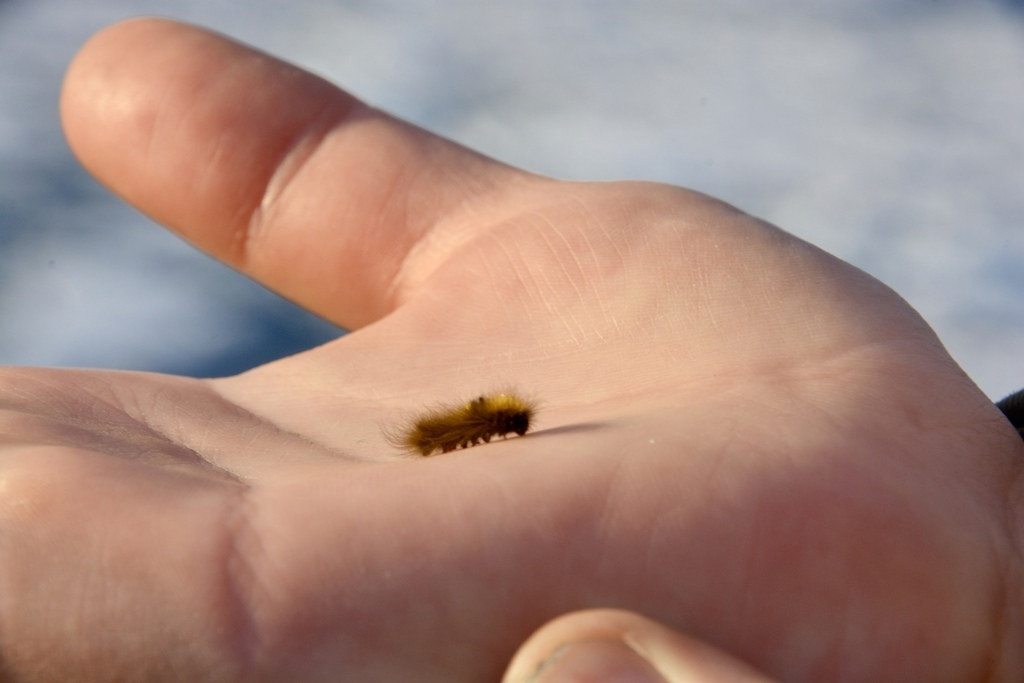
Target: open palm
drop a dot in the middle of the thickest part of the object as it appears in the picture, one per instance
(738, 434)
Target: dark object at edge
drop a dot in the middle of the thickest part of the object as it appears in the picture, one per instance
(1013, 408)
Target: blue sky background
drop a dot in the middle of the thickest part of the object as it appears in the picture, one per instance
(889, 132)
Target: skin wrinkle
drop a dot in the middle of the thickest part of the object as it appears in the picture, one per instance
(208, 169)
(578, 335)
(184, 127)
(241, 545)
(150, 135)
(512, 258)
(249, 236)
(599, 300)
(200, 458)
(603, 521)
(440, 233)
(397, 288)
(260, 420)
(116, 411)
(19, 395)
(620, 256)
(133, 411)
(550, 306)
(659, 531)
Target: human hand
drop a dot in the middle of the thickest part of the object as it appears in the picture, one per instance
(740, 436)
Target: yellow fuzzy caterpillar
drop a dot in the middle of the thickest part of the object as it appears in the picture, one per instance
(475, 422)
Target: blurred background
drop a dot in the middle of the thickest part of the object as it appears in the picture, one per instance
(889, 132)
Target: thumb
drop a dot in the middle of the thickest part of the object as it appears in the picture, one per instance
(609, 646)
(269, 168)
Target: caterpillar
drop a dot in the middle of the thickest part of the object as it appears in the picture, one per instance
(478, 421)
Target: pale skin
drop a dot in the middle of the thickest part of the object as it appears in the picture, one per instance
(760, 456)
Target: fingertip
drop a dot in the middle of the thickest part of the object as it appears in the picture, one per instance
(196, 130)
(612, 645)
(186, 124)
